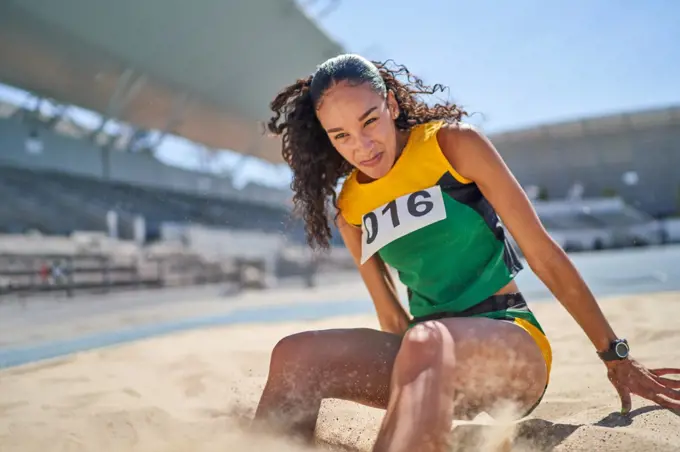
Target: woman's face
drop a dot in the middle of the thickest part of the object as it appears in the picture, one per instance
(360, 124)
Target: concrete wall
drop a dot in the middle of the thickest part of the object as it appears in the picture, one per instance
(561, 207)
(672, 228)
(223, 244)
(598, 161)
(61, 153)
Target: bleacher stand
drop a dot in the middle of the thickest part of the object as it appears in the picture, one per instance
(58, 204)
(42, 205)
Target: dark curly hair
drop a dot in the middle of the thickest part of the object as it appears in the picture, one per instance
(317, 167)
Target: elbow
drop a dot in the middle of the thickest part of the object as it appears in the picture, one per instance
(556, 271)
(547, 261)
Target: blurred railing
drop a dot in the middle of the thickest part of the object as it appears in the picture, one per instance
(31, 274)
(25, 274)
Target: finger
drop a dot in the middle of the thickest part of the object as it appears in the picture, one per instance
(667, 382)
(670, 393)
(665, 371)
(624, 395)
(669, 404)
(652, 384)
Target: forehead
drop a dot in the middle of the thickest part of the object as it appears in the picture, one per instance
(350, 102)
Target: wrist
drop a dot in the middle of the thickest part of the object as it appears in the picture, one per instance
(603, 346)
(616, 350)
(604, 341)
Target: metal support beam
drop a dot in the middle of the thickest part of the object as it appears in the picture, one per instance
(135, 134)
(127, 87)
(30, 116)
(134, 89)
(174, 119)
(332, 6)
(121, 85)
(57, 117)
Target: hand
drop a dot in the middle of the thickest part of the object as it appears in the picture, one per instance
(630, 377)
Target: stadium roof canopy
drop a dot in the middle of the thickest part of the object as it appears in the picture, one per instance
(613, 123)
(205, 70)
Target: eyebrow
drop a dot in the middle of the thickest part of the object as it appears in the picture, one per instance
(361, 118)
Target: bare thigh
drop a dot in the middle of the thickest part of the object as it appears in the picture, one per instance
(494, 360)
(347, 364)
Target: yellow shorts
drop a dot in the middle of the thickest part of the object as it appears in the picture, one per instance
(541, 340)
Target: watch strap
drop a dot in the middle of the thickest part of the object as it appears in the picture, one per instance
(610, 354)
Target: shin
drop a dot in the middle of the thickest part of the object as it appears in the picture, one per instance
(421, 405)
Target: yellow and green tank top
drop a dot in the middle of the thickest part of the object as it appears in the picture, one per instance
(433, 226)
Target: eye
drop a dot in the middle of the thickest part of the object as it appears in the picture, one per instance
(370, 121)
(340, 136)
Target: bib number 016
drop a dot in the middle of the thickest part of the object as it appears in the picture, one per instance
(400, 217)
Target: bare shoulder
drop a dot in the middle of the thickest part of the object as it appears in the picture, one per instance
(460, 134)
(342, 223)
(463, 145)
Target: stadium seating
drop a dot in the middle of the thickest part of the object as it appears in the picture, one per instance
(58, 204)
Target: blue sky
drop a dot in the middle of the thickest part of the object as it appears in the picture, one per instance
(515, 64)
(528, 61)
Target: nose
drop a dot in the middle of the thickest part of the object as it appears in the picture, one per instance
(366, 144)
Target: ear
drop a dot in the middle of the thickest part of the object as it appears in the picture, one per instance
(392, 105)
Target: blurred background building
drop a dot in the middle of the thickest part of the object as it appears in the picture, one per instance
(101, 100)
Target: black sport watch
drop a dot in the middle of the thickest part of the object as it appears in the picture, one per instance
(618, 350)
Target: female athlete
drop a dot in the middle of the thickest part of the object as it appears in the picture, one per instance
(424, 194)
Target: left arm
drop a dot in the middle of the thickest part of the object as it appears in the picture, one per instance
(475, 158)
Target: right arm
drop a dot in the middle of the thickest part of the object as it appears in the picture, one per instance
(391, 314)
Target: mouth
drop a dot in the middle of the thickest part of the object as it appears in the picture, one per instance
(373, 161)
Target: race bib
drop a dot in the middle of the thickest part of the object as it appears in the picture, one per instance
(400, 217)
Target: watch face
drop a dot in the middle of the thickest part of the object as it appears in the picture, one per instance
(621, 350)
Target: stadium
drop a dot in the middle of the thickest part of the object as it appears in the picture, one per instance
(104, 184)
(62, 180)
(629, 154)
(140, 299)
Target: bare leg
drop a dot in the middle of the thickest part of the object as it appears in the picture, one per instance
(422, 396)
(347, 364)
(472, 363)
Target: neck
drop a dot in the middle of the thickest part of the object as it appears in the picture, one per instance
(402, 139)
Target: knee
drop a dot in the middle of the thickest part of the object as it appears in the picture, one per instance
(291, 351)
(426, 340)
(426, 346)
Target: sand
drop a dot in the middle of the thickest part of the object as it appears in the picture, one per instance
(192, 391)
